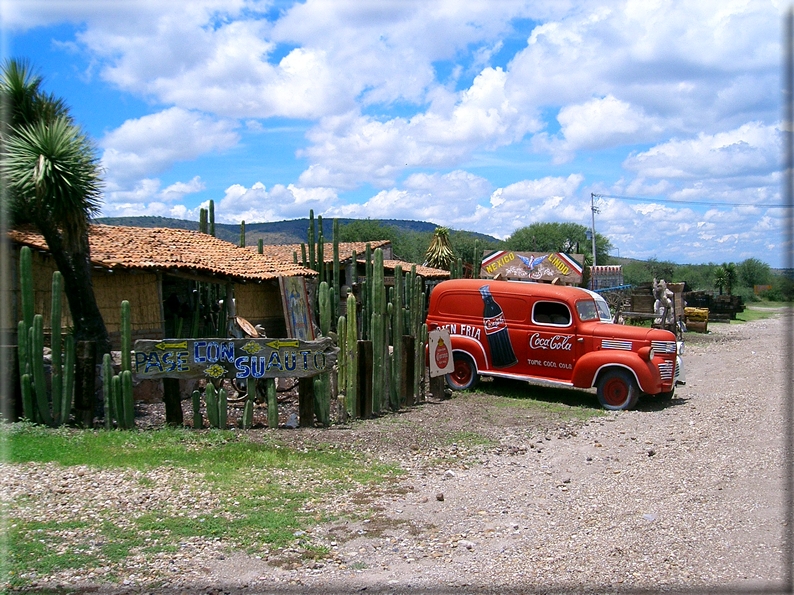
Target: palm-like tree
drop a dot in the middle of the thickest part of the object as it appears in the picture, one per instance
(51, 174)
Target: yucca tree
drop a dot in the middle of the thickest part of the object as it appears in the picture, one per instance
(439, 254)
(52, 180)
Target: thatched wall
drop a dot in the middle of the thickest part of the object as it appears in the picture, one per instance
(260, 303)
(141, 289)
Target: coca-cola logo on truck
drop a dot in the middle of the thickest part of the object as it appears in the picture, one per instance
(494, 324)
(557, 342)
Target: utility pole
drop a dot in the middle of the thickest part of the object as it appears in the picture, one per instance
(592, 224)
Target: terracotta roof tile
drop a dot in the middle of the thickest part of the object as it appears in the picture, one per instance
(284, 252)
(422, 271)
(165, 248)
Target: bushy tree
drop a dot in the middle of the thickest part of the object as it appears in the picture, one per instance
(51, 179)
(754, 272)
(559, 237)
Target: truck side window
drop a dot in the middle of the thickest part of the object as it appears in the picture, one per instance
(551, 313)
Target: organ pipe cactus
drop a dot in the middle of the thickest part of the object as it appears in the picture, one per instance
(272, 403)
(107, 391)
(310, 238)
(351, 354)
(397, 338)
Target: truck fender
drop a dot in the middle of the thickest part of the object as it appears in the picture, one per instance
(471, 347)
(590, 365)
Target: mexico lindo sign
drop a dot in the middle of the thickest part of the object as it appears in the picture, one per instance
(533, 266)
(232, 358)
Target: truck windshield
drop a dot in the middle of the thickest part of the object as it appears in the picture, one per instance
(595, 309)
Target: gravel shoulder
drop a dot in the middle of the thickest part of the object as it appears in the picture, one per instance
(687, 495)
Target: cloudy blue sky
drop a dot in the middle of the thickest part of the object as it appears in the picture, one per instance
(476, 115)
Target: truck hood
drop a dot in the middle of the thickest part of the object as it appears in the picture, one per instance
(631, 333)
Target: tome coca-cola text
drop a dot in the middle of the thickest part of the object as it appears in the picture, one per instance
(557, 342)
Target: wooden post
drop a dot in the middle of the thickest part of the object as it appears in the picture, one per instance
(365, 358)
(173, 402)
(437, 387)
(406, 387)
(85, 382)
(306, 402)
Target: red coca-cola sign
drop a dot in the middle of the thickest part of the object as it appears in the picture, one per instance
(442, 354)
(557, 342)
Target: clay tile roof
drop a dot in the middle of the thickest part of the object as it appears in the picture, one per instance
(284, 252)
(165, 248)
(422, 271)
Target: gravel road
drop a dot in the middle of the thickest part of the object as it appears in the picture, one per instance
(684, 496)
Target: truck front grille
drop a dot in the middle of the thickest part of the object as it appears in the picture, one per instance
(663, 346)
(667, 369)
(614, 344)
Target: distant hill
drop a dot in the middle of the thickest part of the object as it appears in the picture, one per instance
(293, 231)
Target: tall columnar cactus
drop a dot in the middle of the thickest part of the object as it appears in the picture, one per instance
(324, 302)
(56, 378)
(398, 327)
(272, 403)
(126, 399)
(260, 248)
(351, 353)
(341, 331)
(211, 401)
(477, 260)
(212, 218)
(380, 338)
(378, 354)
(321, 257)
(223, 408)
(203, 220)
(107, 390)
(126, 336)
(310, 241)
(247, 419)
(26, 285)
(336, 281)
(23, 347)
(242, 234)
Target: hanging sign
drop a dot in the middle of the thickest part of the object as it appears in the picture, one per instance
(232, 358)
(440, 351)
(533, 266)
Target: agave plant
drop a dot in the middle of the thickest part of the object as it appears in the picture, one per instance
(439, 255)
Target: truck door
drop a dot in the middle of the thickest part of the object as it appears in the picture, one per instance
(551, 342)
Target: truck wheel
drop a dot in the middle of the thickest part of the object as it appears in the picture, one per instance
(465, 373)
(617, 390)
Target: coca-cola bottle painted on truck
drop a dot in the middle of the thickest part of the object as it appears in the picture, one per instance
(493, 319)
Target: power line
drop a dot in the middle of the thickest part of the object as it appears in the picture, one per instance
(691, 202)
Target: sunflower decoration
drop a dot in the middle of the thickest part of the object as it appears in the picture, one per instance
(251, 347)
(215, 371)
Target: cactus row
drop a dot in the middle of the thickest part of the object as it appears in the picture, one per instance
(117, 389)
(40, 403)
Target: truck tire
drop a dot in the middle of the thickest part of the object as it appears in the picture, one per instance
(465, 373)
(617, 390)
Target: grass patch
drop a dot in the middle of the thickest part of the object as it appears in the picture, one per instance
(468, 439)
(760, 311)
(262, 494)
(562, 402)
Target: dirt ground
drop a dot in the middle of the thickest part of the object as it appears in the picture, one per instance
(684, 496)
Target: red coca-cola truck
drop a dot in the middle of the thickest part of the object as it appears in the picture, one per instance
(554, 335)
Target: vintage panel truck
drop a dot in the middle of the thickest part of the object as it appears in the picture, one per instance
(554, 335)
